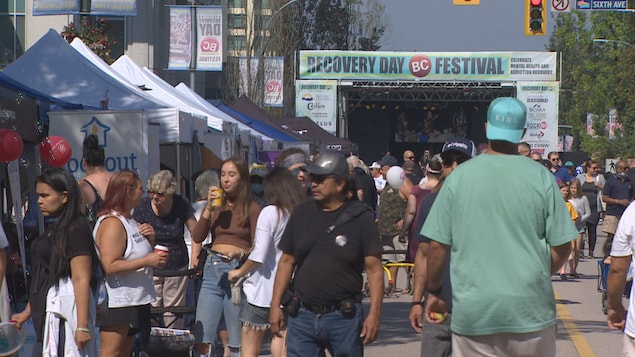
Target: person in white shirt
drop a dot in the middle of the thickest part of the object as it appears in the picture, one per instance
(380, 181)
(622, 257)
(284, 193)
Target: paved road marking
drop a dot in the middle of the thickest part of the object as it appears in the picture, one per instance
(578, 339)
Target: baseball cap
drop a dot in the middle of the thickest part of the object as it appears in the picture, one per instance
(375, 165)
(568, 164)
(463, 145)
(258, 170)
(388, 161)
(506, 118)
(328, 163)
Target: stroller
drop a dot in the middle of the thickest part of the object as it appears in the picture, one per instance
(603, 273)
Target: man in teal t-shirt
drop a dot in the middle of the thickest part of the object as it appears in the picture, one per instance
(503, 220)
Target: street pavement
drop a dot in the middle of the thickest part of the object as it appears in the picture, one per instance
(581, 329)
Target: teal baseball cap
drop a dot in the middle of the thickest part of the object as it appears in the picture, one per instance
(506, 118)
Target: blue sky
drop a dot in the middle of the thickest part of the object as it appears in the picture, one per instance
(438, 25)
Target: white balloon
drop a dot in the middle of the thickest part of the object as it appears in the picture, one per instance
(395, 176)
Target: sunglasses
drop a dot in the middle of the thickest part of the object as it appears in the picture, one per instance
(318, 179)
(156, 193)
(410, 158)
(555, 159)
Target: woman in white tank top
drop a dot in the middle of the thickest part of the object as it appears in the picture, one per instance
(127, 257)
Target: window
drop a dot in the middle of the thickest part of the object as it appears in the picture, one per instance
(13, 30)
(236, 21)
(236, 4)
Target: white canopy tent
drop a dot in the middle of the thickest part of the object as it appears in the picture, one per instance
(156, 87)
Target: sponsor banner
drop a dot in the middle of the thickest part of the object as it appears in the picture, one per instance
(120, 133)
(541, 99)
(437, 66)
(248, 72)
(601, 5)
(318, 101)
(55, 7)
(113, 7)
(180, 55)
(209, 38)
(274, 74)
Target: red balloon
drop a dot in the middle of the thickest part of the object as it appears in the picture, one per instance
(55, 151)
(11, 145)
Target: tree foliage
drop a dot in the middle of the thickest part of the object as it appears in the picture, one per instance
(304, 24)
(596, 77)
(94, 34)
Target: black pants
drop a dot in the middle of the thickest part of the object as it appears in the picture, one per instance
(592, 230)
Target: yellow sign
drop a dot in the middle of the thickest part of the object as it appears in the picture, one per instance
(466, 2)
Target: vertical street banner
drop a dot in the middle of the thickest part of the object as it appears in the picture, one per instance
(248, 72)
(55, 7)
(209, 38)
(590, 118)
(541, 99)
(614, 127)
(113, 7)
(180, 55)
(274, 74)
(317, 99)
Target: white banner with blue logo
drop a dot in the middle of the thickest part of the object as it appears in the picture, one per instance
(124, 135)
(317, 99)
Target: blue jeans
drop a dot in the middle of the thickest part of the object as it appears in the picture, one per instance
(309, 334)
(214, 302)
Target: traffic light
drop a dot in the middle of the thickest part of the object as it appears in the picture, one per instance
(535, 18)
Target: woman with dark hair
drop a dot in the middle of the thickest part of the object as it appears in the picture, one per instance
(592, 184)
(63, 261)
(127, 257)
(284, 193)
(93, 186)
(233, 225)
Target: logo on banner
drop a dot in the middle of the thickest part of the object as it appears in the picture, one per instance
(308, 97)
(97, 128)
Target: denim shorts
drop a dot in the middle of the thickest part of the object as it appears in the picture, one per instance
(254, 316)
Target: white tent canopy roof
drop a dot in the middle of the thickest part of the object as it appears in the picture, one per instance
(153, 85)
(196, 100)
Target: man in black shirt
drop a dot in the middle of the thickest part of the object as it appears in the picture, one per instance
(329, 254)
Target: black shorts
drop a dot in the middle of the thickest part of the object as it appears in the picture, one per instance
(137, 317)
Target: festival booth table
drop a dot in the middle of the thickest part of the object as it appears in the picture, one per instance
(59, 70)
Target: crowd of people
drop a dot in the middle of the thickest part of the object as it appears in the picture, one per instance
(283, 249)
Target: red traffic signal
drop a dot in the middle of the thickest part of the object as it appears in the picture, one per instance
(535, 18)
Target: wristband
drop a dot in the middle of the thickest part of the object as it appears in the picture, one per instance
(83, 329)
(415, 303)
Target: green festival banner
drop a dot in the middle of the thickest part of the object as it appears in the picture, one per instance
(427, 66)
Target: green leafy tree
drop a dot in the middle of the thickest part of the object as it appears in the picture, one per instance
(94, 34)
(596, 77)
